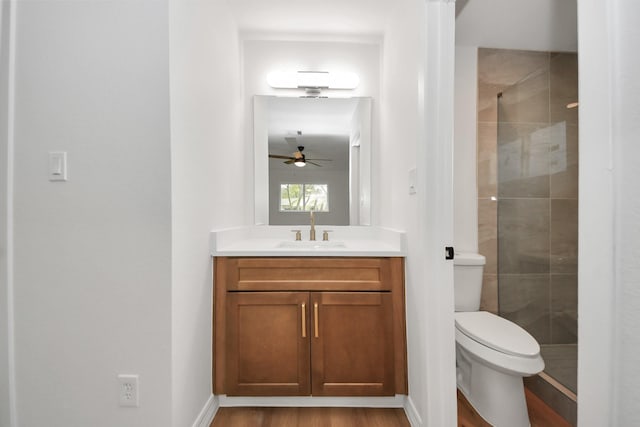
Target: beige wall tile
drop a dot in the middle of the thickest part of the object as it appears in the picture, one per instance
(524, 299)
(564, 236)
(523, 233)
(488, 101)
(487, 159)
(489, 297)
(563, 161)
(527, 101)
(506, 67)
(488, 234)
(563, 82)
(523, 160)
(500, 68)
(564, 308)
(531, 157)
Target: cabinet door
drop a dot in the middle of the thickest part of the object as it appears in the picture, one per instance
(268, 344)
(352, 350)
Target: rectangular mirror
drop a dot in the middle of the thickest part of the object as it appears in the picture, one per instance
(312, 154)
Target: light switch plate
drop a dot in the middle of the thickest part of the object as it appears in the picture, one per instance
(412, 181)
(57, 166)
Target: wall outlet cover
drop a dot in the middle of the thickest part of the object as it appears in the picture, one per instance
(128, 390)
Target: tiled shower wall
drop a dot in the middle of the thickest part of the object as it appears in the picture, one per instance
(528, 189)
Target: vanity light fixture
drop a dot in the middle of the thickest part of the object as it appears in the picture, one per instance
(313, 81)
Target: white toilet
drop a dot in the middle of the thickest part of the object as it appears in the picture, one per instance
(492, 353)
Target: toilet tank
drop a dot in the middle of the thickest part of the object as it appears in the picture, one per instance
(467, 280)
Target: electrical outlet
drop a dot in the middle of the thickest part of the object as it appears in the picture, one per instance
(128, 390)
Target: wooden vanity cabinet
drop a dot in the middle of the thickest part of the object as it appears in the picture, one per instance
(267, 348)
(352, 350)
(309, 326)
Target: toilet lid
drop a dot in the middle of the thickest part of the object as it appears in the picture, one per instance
(497, 333)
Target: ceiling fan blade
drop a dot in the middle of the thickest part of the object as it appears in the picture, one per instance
(324, 160)
(289, 161)
(277, 156)
(315, 164)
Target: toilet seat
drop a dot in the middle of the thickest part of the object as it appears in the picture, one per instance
(497, 333)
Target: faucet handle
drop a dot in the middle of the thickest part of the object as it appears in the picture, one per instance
(298, 234)
(325, 235)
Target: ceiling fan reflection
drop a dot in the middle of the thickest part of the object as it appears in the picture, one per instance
(299, 159)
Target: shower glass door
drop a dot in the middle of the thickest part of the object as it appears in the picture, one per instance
(537, 178)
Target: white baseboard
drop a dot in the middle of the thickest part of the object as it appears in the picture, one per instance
(412, 414)
(397, 401)
(208, 412)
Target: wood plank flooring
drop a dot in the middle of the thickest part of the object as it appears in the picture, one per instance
(539, 414)
(310, 417)
(467, 416)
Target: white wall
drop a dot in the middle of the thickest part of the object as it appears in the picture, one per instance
(627, 133)
(411, 90)
(5, 346)
(545, 25)
(609, 273)
(465, 190)
(206, 135)
(93, 254)
(360, 172)
(264, 53)
(626, 92)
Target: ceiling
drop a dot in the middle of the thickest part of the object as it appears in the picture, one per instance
(549, 25)
(324, 124)
(307, 16)
(543, 25)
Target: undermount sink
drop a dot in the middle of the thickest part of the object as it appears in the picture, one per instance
(321, 244)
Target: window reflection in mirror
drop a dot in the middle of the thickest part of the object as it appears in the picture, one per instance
(304, 197)
(312, 154)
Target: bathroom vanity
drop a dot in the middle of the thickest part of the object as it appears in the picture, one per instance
(322, 320)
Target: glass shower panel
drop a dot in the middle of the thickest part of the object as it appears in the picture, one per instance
(537, 211)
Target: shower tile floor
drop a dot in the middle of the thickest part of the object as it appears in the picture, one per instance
(561, 363)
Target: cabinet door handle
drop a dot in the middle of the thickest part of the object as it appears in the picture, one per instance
(315, 318)
(304, 320)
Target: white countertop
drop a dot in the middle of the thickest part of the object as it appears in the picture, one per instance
(279, 241)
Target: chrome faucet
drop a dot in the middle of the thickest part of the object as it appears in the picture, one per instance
(312, 232)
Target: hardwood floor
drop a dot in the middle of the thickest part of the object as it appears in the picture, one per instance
(539, 414)
(310, 417)
(467, 416)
